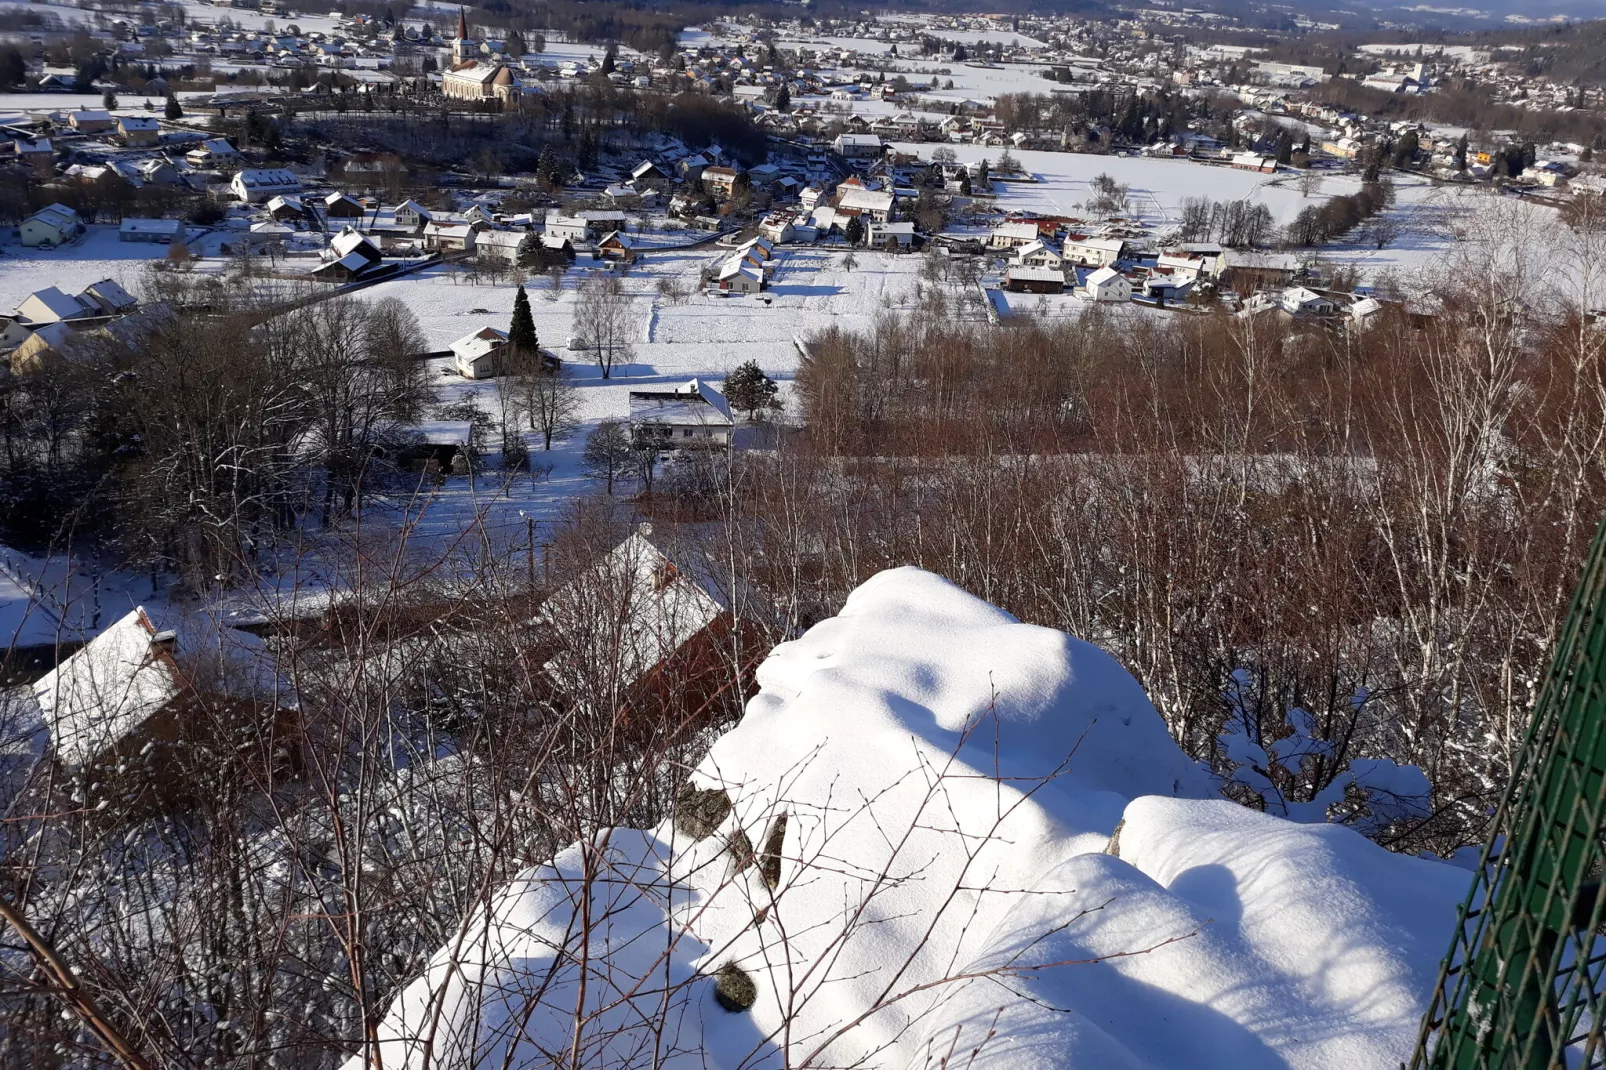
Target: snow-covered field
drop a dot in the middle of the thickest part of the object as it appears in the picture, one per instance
(98, 255)
(980, 839)
(706, 336)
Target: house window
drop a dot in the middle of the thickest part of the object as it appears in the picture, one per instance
(685, 432)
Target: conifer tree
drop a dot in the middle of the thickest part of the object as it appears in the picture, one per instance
(521, 334)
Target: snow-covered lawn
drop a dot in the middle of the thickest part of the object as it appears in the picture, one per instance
(99, 254)
(704, 336)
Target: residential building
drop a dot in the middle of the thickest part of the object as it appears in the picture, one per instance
(899, 237)
(255, 185)
(858, 146)
(1094, 252)
(479, 355)
(213, 153)
(738, 276)
(52, 225)
(505, 246)
(139, 133)
(1108, 284)
(51, 305)
(1012, 235)
(693, 414)
(91, 121)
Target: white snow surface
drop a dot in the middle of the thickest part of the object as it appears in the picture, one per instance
(951, 780)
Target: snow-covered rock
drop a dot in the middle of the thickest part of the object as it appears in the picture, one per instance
(947, 887)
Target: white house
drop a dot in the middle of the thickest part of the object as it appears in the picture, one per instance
(693, 414)
(569, 228)
(899, 235)
(858, 145)
(856, 200)
(256, 184)
(502, 245)
(410, 213)
(449, 237)
(739, 276)
(1108, 284)
(1012, 235)
(51, 225)
(479, 355)
(1094, 252)
(1039, 254)
(778, 228)
(1297, 300)
(213, 152)
(161, 231)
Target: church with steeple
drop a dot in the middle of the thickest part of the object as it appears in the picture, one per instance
(474, 75)
(464, 48)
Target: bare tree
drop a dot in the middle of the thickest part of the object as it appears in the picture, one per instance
(602, 319)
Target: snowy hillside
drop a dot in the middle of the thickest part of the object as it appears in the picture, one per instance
(904, 853)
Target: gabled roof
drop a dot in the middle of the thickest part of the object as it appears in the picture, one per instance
(481, 342)
(49, 305)
(350, 241)
(1016, 230)
(657, 604)
(737, 266)
(865, 200)
(108, 295)
(1103, 275)
(55, 215)
(107, 689)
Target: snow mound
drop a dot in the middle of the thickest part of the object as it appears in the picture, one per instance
(917, 866)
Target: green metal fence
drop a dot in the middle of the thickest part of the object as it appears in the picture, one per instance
(1522, 987)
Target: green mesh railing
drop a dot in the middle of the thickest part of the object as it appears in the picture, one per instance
(1522, 986)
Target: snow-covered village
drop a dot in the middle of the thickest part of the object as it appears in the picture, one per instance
(779, 535)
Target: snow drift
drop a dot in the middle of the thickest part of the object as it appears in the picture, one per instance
(949, 836)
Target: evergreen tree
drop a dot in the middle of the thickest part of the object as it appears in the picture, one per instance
(783, 99)
(749, 390)
(608, 62)
(521, 333)
(108, 100)
(854, 231)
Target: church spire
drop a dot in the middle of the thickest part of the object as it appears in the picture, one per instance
(462, 24)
